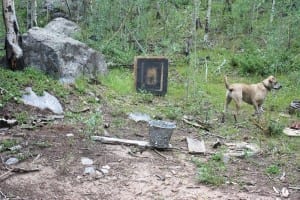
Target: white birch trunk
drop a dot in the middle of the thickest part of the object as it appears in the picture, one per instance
(14, 52)
(31, 14)
(207, 21)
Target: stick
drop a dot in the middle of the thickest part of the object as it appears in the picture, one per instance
(16, 170)
(220, 66)
(3, 195)
(80, 111)
(8, 173)
(23, 170)
(162, 155)
(219, 136)
(192, 187)
(294, 187)
(206, 70)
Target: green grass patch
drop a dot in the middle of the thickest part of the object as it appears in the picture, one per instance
(120, 80)
(7, 143)
(212, 171)
(273, 170)
(14, 82)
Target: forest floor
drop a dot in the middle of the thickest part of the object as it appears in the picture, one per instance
(53, 150)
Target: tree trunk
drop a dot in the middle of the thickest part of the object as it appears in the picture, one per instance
(31, 14)
(228, 6)
(272, 11)
(207, 21)
(13, 39)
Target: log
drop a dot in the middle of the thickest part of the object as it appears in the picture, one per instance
(108, 140)
(13, 38)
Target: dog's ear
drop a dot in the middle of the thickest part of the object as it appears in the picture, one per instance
(272, 79)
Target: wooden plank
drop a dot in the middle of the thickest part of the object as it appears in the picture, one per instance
(195, 146)
(109, 140)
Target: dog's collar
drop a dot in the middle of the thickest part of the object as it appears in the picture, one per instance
(267, 87)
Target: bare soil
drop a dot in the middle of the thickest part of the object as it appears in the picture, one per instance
(133, 173)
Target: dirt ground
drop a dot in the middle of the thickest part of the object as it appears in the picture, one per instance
(131, 172)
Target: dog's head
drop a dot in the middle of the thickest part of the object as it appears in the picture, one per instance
(271, 83)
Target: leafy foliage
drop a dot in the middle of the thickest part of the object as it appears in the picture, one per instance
(126, 28)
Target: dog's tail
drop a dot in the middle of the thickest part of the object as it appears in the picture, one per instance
(226, 82)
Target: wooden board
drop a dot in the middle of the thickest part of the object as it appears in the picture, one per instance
(109, 140)
(195, 146)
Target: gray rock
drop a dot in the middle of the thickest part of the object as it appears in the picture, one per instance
(12, 161)
(61, 56)
(46, 101)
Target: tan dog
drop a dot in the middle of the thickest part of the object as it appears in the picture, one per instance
(253, 94)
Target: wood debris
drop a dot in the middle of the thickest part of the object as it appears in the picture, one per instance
(12, 171)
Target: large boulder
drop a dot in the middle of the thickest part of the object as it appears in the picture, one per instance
(51, 50)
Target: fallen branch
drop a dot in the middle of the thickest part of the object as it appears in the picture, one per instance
(195, 124)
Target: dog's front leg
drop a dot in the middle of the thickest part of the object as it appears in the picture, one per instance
(258, 109)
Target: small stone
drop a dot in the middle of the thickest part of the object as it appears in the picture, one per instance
(89, 170)
(70, 135)
(86, 161)
(15, 148)
(217, 144)
(284, 192)
(226, 158)
(12, 161)
(105, 169)
(251, 183)
(106, 125)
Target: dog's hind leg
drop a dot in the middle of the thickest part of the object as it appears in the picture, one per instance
(227, 102)
(237, 106)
